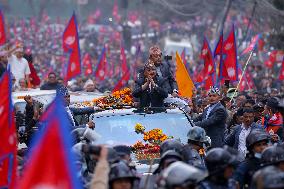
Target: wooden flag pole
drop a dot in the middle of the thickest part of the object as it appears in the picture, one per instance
(243, 72)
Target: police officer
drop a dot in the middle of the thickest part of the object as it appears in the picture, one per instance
(256, 142)
(194, 152)
(170, 144)
(180, 175)
(269, 177)
(220, 164)
(121, 176)
(273, 155)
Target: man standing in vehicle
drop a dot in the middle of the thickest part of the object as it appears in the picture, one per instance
(163, 70)
(150, 88)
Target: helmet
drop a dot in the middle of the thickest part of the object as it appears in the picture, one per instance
(121, 170)
(170, 144)
(218, 159)
(181, 174)
(196, 134)
(170, 156)
(272, 154)
(79, 134)
(268, 178)
(122, 150)
(256, 136)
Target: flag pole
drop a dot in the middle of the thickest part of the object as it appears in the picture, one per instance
(244, 70)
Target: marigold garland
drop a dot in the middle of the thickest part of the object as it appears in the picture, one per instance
(153, 138)
(117, 99)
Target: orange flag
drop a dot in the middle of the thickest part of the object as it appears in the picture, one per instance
(184, 82)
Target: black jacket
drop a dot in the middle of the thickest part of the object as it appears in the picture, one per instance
(154, 97)
(49, 86)
(245, 171)
(214, 125)
(166, 73)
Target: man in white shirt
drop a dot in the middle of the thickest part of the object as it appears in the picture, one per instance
(237, 139)
(18, 65)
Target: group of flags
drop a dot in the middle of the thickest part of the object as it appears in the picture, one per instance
(50, 162)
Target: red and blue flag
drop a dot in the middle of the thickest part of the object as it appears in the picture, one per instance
(50, 161)
(8, 136)
(101, 71)
(71, 45)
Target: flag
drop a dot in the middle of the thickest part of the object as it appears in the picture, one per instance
(247, 82)
(228, 66)
(184, 82)
(218, 48)
(206, 55)
(249, 79)
(8, 136)
(183, 56)
(71, 45)
(123, 61)
(125, 71)
(101, 70)
(50, 162)
(35, 80)
(252, 44)
(2, 30)
(281, 75)
(275, 56)
(122, 82)
(87, 64)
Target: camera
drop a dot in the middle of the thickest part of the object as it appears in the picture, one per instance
(167, 57)
(91, 149)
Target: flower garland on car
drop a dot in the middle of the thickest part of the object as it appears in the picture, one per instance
(153, 138)
(117, 99)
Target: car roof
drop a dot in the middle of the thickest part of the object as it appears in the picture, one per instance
(132, 111)
(19, 95)
(81, 96)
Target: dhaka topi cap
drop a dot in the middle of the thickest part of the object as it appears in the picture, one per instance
(214, 90)
(155, 50)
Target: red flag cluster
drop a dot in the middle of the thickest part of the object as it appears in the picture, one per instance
(71, 45)
(246, 82)
(252, 44)
(101, 71)
(207, 74)
(125, 71)
(87, 64)
(275, 56)
(228, 68)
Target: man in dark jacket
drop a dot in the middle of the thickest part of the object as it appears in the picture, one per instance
(213, 118)
(71, 111)
(163, 70)
(237, 139)
(51, 84)
(149, 88)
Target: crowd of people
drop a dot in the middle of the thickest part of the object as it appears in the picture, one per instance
(42, 40)
(234, 143)
(237, 137)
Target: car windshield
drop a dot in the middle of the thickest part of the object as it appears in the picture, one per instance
(119, 129)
